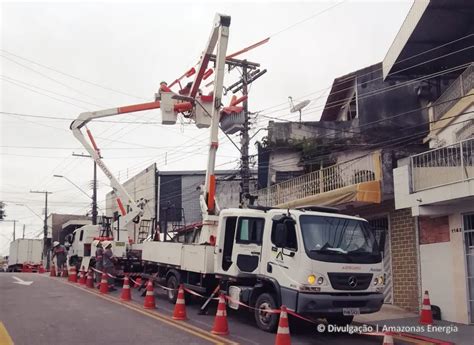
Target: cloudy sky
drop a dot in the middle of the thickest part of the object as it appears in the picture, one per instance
(60, 59)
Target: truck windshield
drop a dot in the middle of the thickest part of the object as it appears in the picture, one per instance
(335, 239)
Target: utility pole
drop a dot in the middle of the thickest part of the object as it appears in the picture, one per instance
(46, 243)
(250, 72)
(24, 226)
(94, 188)
(245, 141)
(14, 230)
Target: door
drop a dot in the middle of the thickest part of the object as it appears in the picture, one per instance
(380, 227)
(248, 244)
(468, 229)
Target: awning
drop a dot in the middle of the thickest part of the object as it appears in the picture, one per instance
(365, 192)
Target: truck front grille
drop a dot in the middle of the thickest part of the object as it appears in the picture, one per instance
(350, 281)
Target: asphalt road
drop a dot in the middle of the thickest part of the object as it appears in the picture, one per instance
(52, 311)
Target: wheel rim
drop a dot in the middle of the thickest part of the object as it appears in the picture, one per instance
(265, 317)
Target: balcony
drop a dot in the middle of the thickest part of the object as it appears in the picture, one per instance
(437, 182)
(443, 166)
(357, 180)
(459, 88)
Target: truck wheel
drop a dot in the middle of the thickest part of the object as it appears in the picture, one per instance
(266, 321)
(172, 283)
(340, 320)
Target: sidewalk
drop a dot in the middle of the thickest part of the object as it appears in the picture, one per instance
(406, 322)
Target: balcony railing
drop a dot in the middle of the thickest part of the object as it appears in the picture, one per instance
(362, 169)
(446, 165)
(459, 88)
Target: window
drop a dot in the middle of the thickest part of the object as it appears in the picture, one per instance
(81, 235)
(291, 241)
(250, 230)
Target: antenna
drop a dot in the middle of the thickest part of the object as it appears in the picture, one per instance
(299, 106)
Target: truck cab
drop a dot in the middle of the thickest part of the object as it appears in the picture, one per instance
(315, 263)
(81, 251)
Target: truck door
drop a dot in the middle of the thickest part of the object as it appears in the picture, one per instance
(248, 244)
(281, 260)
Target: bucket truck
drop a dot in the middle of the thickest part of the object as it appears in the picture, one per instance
(313, 260)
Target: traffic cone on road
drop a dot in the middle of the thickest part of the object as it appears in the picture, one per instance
(52, 273)
(180, 306)
(283, 333)
(149, 297)
(65, 272)
(221, 327)
(90, 279)
(104, 285)
(426, 316)
(387, 339)
(41, 269)
(73, 275)
(82, 276)
(126, 295)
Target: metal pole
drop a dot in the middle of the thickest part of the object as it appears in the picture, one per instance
(45, 226)
(245, 170)
(94, 197)
(14, 229)
(24, 226)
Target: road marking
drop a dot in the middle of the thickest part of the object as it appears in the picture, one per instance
(21, 282)
(5, 338)
(163, 318)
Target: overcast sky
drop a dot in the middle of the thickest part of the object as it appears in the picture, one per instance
(130, 48)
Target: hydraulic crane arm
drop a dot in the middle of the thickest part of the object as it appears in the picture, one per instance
(123, 199)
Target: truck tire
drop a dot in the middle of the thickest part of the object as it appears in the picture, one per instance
(340, 320)
(172, 283)
(266, 321)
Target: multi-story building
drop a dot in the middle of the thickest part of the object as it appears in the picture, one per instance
(373, 118)
(437, 186)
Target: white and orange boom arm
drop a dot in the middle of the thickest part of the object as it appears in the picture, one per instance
(123, 199)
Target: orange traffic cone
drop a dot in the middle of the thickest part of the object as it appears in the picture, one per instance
(90, 279)
(180, 306)
(149, 297)
(52, 273)
(104, 285)
(82, 276)
(126, 295)
(283, 334)
(65, 272)
(387, 339)
(73, 275)
(426, 316)
(138, 282)
(221, 326)
(41, 269)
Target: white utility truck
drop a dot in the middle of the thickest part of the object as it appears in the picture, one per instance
(81, 251)
(25, 253)
(313, 260)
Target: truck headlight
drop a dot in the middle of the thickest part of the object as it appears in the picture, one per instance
(311, 279)
(379, 280)
(320, 280)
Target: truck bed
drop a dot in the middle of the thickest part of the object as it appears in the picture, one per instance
(190, 257)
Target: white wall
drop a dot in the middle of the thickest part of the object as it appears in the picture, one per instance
(436, 277)
(443, 274)
(448, 134)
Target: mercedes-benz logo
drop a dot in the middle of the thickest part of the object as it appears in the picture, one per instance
(352, 281)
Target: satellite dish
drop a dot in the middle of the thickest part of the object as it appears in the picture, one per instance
(299, 106)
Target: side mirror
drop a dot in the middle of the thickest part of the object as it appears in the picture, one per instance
(281, 232)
